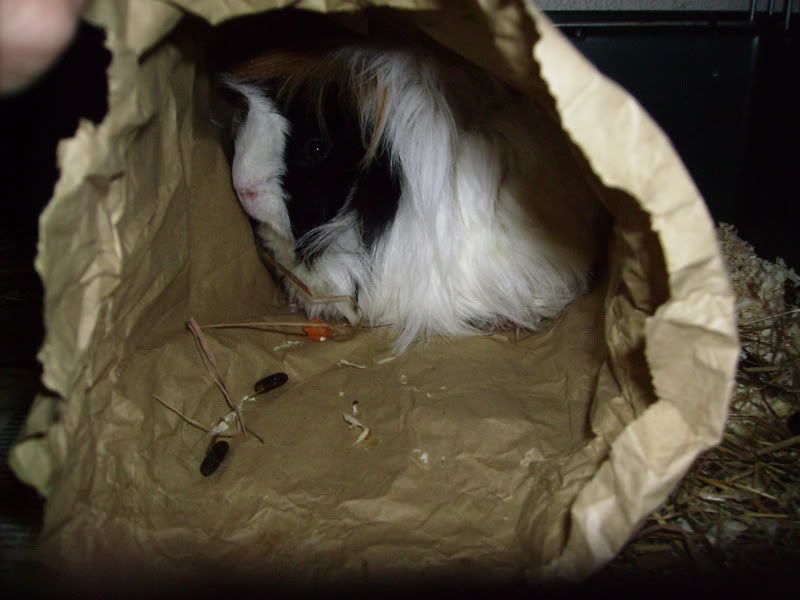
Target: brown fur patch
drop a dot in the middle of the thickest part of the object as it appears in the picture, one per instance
(318, 72)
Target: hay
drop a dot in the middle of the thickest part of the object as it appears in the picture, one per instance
(739, 505)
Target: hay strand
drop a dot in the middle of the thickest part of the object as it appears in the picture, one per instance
(211, 365)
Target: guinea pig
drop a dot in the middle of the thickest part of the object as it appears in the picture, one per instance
(414, 186)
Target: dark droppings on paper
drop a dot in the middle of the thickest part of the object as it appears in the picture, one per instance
(270, 382)
(216, 454)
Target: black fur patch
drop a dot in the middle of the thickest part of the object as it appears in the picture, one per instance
(318, 189)
(323, 166)
(376, 198)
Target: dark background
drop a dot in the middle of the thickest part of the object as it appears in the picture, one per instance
(725, 90)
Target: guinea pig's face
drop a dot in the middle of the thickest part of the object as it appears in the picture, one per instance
(290, 170)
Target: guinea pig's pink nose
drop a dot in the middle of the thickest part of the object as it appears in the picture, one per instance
(247, 194)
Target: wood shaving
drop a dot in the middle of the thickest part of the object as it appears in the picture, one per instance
(346, 363)
(353, 422)
(423, 456)
(287, 344)
(225, 422)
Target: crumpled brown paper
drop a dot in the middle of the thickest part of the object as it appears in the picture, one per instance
(539, 456)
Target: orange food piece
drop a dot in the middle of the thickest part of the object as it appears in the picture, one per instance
(318, 333)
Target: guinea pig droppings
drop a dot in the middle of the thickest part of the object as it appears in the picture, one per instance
(216, 454)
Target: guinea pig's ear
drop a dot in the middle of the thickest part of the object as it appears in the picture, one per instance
(226, 100)
(225, 87)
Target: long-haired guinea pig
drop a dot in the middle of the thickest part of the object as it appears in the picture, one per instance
(422, 188)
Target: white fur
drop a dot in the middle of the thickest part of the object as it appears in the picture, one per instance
(472, 237)
(258, 164)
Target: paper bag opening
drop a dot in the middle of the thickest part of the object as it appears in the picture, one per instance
(497, 456)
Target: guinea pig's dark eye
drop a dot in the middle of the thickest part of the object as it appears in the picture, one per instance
(317, 150)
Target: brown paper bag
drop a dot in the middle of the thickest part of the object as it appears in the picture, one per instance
(537, 456)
